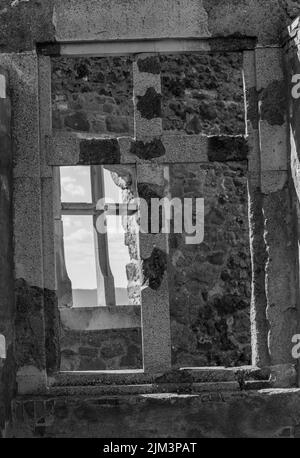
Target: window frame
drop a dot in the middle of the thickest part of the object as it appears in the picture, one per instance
(155, 306)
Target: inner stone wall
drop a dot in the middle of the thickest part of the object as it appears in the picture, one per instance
(7, 302)
(101, 350)
(266, 413)
(203, 93)
(210, 283)
(93, 95)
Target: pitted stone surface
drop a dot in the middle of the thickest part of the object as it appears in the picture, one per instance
(148, 150)
(203, 93)
(149, 65)
(99, 152)
(93, 95)
(273, 103)
(149, 105)
(154, 268)
(210, 283)
(226, 149)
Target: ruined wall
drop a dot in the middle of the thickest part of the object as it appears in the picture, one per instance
(23, 25)
(125, 178)
(27, 23)
(101, 350)
(7, 302)
(210, 283)
(250, 414)
(203, 94)
(93, 95)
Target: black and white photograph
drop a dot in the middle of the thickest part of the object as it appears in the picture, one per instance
(149, 223)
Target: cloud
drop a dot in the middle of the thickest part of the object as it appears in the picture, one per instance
(69, 186)
(81, 235)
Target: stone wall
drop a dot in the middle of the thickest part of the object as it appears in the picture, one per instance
(203, 93)
(263, 414)
(93, 95)
(7, 301)
(24, 24)
(210, 283)
(200, 94)
(101, 350)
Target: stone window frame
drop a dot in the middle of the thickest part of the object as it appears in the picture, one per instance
(149, 151)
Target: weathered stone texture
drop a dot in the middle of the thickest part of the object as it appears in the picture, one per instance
(148, 150)
(52, 331)
(263, 414)
(226, 149)
(150, 64)
(25, 23)
(7, 302)
(203, 93)
(93, 95)
(274, 103)
(200, 94)
(101, 350)
(149, 105)
(29, 325)
(154, 268)
(94, 152)
(30, 22)
(210, 283)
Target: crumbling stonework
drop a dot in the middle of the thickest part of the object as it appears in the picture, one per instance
(125, 178)
(209, 281)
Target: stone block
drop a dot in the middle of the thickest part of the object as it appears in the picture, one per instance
(185, 148)
(28, 230)
(273, 181)
(45, 111)
(143, 20)
(23, 76)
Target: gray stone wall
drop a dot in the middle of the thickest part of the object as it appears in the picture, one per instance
(7, 301)
(220, 414)
(26, 24)
(93, 95)
(101, 350)
(210, 283)
(203, 93)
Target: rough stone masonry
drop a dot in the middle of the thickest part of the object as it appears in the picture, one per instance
(231, 301)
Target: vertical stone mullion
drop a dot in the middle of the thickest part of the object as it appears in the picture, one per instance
(153, 247)
(156, 334)
(28, 223)
(147, 97)
(51, 312)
